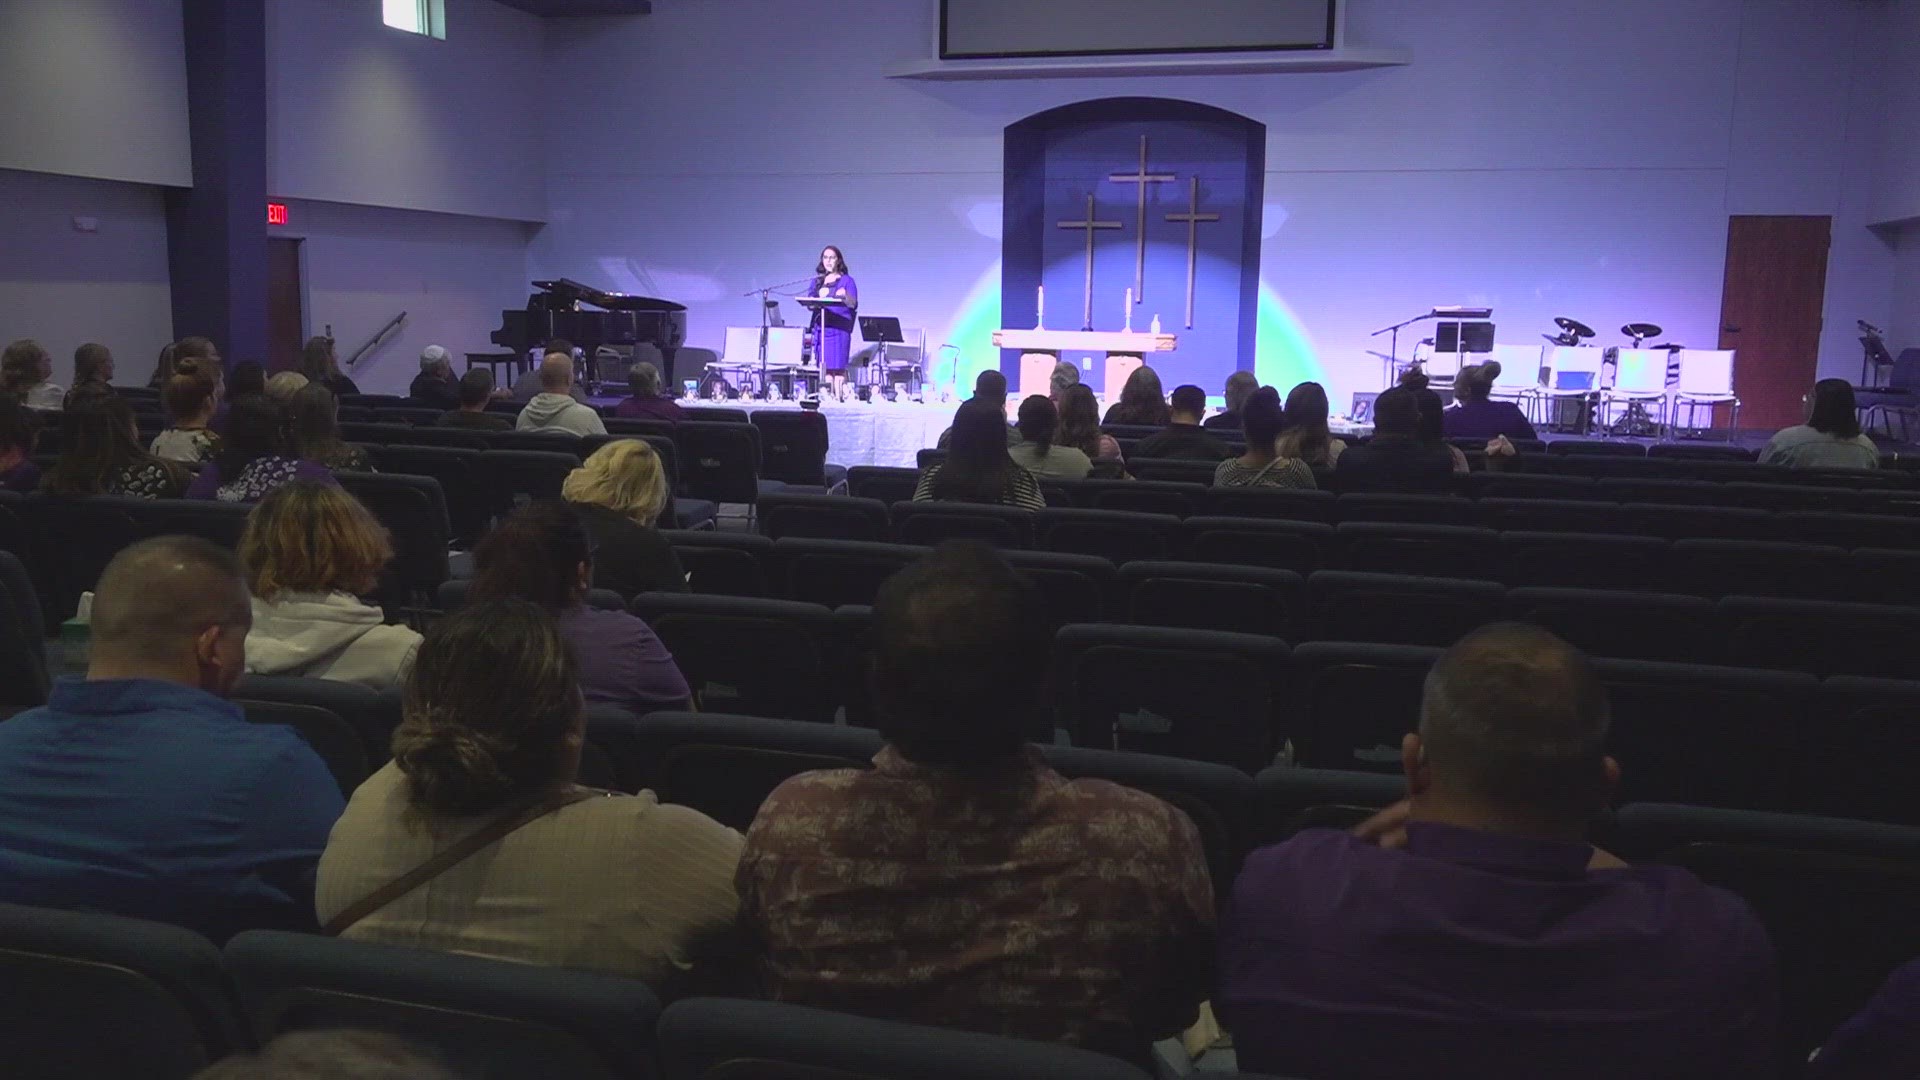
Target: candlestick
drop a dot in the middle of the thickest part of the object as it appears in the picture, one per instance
(1040, 307)
(1129, 322)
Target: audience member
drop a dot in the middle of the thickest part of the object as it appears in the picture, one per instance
(564, 876)
(542, 553)
(319, 364)
(314, 420)
(1472, 931)
(1307, 436)
(1430, 429)
(1830, 439)
(322, 1054)
(282, 385)
(310, 552)
(961, 882)
(978, 467)
(163, 367)
(476, 390)
(254, 458)
(1066, 374)
(26, 371)
(1240, 385)
(1883, 1040)
(528, 386)
(1395, 459)
(248, 380)
(989, 386)
(435, 387)
(648, 400)
(92, 373)
(1262, 465)
(553, 408)
(191, 400)
(103, 456)
(1080, 426)
(197, 348)
(1475, 415)
(1038, 452)
(1141, 400)
(19, 430)
(1183, 439)
(139, 790)
(619, 493)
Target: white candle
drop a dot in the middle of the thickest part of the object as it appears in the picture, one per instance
(1129, 305)
(1040, 306)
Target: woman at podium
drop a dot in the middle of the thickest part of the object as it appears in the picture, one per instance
(835, 326)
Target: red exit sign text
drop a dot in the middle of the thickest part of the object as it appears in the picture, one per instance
(276, 213)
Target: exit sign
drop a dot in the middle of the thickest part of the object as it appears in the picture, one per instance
(276, 213)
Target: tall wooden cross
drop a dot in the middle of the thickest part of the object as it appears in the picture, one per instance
(1193, 217)
(1089, 224)
(1142, 177)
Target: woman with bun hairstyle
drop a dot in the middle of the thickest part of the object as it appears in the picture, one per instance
(491, 733)
(1475, 415)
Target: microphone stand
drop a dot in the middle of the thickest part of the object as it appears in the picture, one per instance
(766, 324)
(1393, 350)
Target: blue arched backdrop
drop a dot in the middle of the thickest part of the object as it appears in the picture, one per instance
(1054, 159)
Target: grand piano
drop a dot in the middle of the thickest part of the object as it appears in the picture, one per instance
(556, 312)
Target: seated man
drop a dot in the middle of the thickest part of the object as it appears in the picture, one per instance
(553, 408)
(961, 882)
(476, 390)
(1183, 439)
(435, 387)
(647, 402)
(1473, 932)
(140, 790)
(1395, 459)
(1240, 386)
(991, 386)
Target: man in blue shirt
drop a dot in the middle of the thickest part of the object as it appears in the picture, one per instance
(1473, 932)
(140, 790)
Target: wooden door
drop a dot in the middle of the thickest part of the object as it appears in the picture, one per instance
(286, 318)
(1776, 285)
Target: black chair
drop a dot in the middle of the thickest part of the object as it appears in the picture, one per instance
(1218, 798)
(372, 714)
(1821, 637)
(369, 433)
(1398, 548)
(835, 572)
(517, 477)
(753, 656)
(831, 517)
(1406, 509)
(1761, 568)
(452, 438)
(1623, 624)
(1699, 452)
(1847, 530)
(330, 736)
(462, 478)
(412, 417)
(1584, 561)
(1799, 496)
(641, 746)
(1358, 701)
(221, 523)
(793, 447)
(374, 401)
(1280, 544)
(73, 541)
(1173, 470)
(1291, 798)
(720, 461)
(1597, 449)
(1554, 515)
(1399, 609)
(1711, 736)
(1283, 503)
(1890, 576)
(933, 521)
(733, 1039)
(1677, 522)
(1196, 694)
(1114, 535)
(1074, 588)
(1521, 485)
(1210, 596)
(23, 653)
(724, 564)
(1646, 490)
(1859, 759)
(414, 510)
(887, 485)
(484, 1017)
(1639, 831)
(713, 414)
(729, 783)
(553, 441)
(452, 596)
(620, 425)
(1134, 496)
(107, 998)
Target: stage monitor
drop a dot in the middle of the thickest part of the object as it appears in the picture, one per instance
(974, 29)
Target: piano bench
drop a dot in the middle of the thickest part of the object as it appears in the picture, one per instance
(516, 365)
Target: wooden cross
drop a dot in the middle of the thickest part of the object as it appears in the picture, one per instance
(1193, 217)
(1089, 224)
(1142, 178)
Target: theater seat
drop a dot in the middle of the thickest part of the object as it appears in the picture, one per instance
(1399, 609)
(760, 657)
(1357, 701)
(723, 564)
(1821, 637)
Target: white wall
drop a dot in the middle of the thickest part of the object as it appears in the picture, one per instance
(63, 287)
(358, 112)
(1575, 158)
(94, 88)
(1898, 52)
(363, 265)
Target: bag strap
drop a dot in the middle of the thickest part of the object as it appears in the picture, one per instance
(512, 820)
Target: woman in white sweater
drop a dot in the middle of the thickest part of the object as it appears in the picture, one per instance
(310, 551)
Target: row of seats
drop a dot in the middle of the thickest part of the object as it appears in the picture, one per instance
(107, 998)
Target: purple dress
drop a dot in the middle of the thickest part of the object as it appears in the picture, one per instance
(836, 337)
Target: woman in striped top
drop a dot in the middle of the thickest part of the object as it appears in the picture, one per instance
(978, 468)
(1262, 465)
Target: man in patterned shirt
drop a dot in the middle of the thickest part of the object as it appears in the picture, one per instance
(961, 882)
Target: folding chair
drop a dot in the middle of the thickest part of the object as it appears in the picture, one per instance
(1640, 378)
(1209, 596)
(1524, 485)
(222, 523)
(1706, 378)
(759, 657)
(1676, 522)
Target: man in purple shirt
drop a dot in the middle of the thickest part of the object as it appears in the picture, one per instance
(647, 402)
(1472, 932)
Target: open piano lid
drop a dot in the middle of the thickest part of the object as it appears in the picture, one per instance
(568, 292)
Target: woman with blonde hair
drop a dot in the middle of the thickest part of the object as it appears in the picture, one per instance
(283, 385)
(619, 494)
(565, 876)
(310, 552)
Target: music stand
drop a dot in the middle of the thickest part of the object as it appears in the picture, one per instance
(882, 330)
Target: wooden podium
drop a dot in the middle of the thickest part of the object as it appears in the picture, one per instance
(1041, 349)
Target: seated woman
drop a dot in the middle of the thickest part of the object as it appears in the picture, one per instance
(247, 380)
(543, 554)
(26, 371)
(92, 373)
(618, 494)
(318, 364)
(1430, 431)
(1262, 465)
(315, 416)
(1080, 426)
(19, 430)
(1142, 401)
(254, 458)
(978, 468)
(103, 456)
(1306, 436)
(1475, 415)
(1038, 452)
(491, 733)
(191, 400)
(282, 385)
(1830, 439)
(310, 552)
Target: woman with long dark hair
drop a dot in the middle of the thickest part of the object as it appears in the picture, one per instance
(92, 373)
(1306, 436)
(1080, 426)
(1831, 437)
(318, 364)
(978, 468)
(19, 430)
(1040, 450)
(1263, 465)
(248, 380)
(103, 456)
(1142, 401)
(834, 325)
(255, 457)
(315, 425)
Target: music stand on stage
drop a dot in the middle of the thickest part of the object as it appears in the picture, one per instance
(884, 330)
